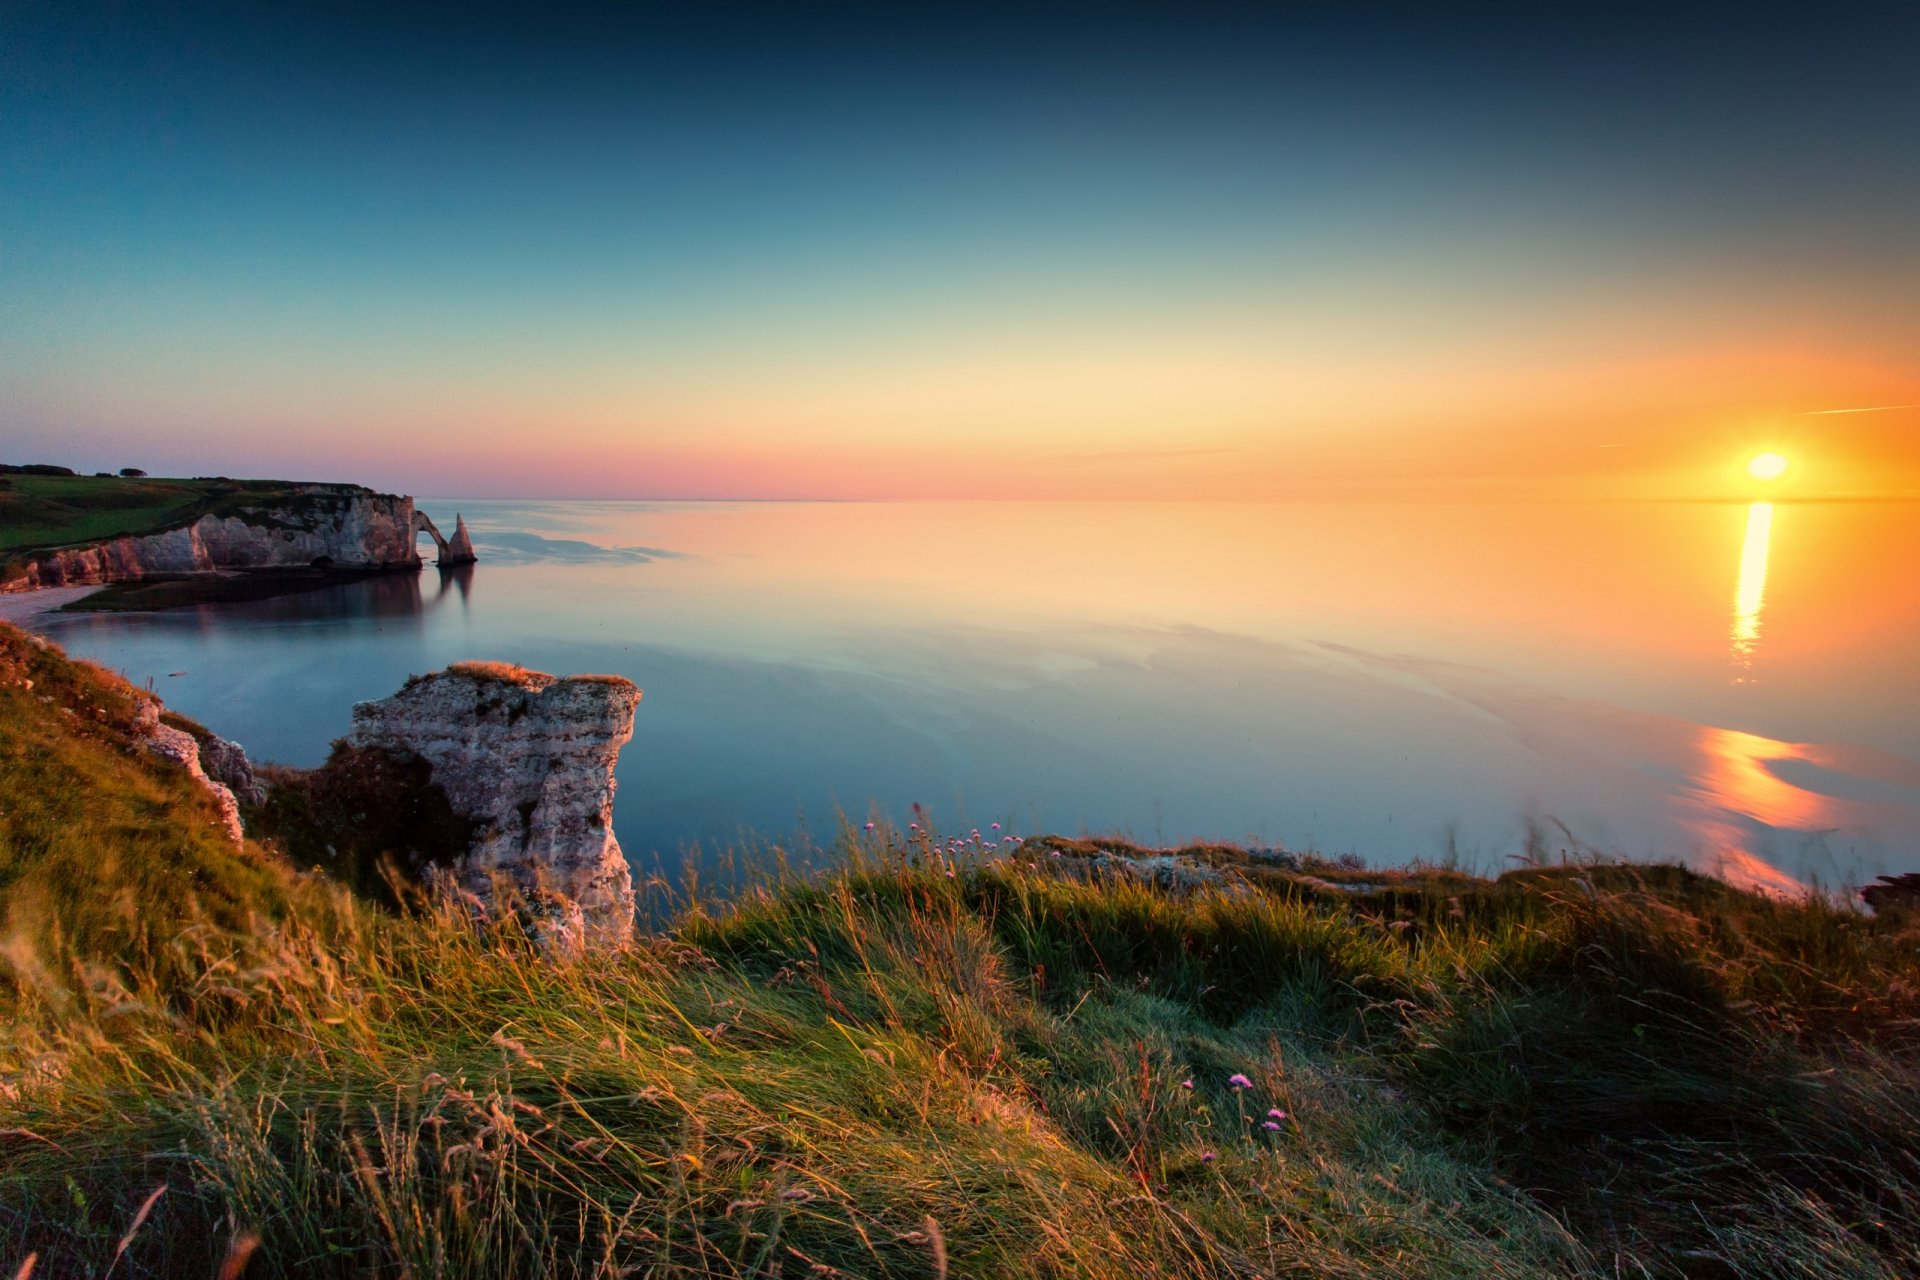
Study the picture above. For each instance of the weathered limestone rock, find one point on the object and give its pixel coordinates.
(530, 758)
(226, 763)
(459, 548)
(340, 525)
(423, 523)
(183, 749)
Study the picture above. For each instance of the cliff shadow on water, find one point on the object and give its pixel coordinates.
(301, 594)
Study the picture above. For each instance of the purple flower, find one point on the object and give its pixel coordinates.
(996, 826)
(1207, 1157)
(1239, 1081)
(1273, 1125)
(869, 826)
(913, 826)
(1186, 1084)
(1275, 1113)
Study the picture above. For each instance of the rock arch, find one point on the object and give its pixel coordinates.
(455, 550)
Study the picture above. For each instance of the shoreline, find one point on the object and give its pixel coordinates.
(24, 608)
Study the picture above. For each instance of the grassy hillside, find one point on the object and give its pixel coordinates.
(38, 512)
(1030, 1067)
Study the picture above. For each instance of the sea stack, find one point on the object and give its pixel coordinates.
(459, 548)
(529, 758)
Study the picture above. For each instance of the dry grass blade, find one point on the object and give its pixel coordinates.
(937, 1246)
(133, 1228)
(26, 1266)
(239, 1254)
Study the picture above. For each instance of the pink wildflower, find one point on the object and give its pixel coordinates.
(1239, 1081)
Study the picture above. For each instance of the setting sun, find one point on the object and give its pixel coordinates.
(1767, 466)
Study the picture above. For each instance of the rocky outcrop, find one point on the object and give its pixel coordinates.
(183, 749)
(459, 548)
(1893, 892)
(226, 763)
(341, 526)
(453, 551)
(529, 758)
(423, 523)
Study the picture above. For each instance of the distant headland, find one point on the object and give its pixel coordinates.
(167, 541)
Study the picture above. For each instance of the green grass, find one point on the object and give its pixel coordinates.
(42, 512)
(890, 1071)
(39, 511)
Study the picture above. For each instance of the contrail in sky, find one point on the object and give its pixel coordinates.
(1878, 408)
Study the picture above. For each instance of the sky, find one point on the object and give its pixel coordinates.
(896, 251)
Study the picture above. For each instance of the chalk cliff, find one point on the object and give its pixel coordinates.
(344, 526)
(183, 749)
(530, 758)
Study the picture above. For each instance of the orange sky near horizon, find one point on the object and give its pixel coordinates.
(1219, 428)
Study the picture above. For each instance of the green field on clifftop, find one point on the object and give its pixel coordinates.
(1036, 1066)
(40, 512)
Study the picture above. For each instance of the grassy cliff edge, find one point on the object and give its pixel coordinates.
(1039, 1065)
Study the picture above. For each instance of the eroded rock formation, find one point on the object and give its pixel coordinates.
(459, 548)
(226, 763)
(183, 749)
(344, 526)
(452, 551)
(529, 758)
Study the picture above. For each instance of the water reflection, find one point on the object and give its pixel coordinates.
(1750, 596)
(386, 597)
(1740, 776)
(1748, 802)
(459, 577)
(1763, 804)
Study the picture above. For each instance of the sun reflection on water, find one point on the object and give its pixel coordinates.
(1749, 597)
(1739, 785)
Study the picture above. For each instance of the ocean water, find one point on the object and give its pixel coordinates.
(1734, 686)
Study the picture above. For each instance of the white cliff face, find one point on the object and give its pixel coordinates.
(530, 758)
(347, 528)
(183, 749)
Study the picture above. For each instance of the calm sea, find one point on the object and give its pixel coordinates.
(1735, 686)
